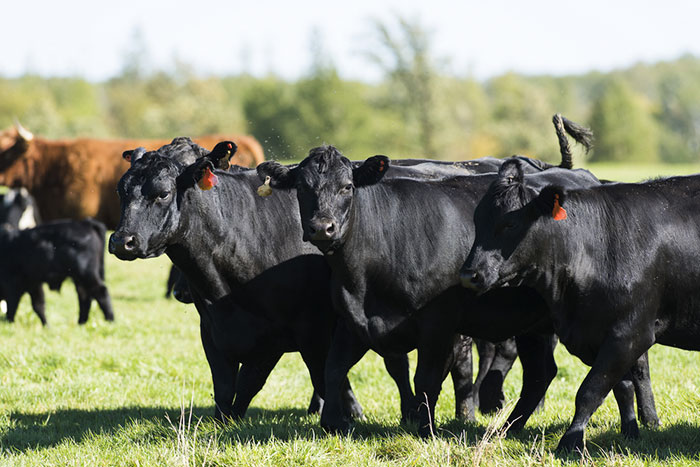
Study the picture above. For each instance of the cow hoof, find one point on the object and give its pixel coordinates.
(630, 430)
(572, 441)
(341, 427)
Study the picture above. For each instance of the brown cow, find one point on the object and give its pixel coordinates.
(77, 178)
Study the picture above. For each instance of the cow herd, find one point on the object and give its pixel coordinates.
(332, 258)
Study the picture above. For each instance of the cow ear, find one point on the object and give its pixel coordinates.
(133, 155)
(277, 175)
(222, 153)
(550, 202)
(371, 171)
(203, 174)
(511, 171)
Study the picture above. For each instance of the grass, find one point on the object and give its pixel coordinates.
(138, 392)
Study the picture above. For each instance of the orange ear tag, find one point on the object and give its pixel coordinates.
(558, 213)
(208, 180)
(381, 166)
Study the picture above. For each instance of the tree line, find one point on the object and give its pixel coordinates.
(645, 113)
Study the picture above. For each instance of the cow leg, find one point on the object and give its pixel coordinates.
(397, 367)
(462, 373)
(435, 359)
(316, 403)
(491, 396)
(487, 352)
(223, 375)
(615, 357)
(12, 304)
(101, 294)
(38, 302)
(84, 302)
(345, 351)
(539, 369)
(313, 357)
(645, 397)
(624, 395)
(251, 379)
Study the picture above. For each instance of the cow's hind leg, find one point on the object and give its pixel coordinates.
(487, 352)
(12, 304)
(251, 379)
(491, 397)
(38, 302)
(641, 379)
(462, 373)
(536, 354)
(435, 359)
(624, 395)
(97, 289)
(615, 357)
(397, 367)
(315, 404)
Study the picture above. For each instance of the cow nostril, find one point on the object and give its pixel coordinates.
(330, 228)
(130, 242)
(474, 279)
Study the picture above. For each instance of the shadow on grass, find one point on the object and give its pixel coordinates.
(30, 431)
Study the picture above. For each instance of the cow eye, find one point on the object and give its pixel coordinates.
(347, 188)
(163, 196)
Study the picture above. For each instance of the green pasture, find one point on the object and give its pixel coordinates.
(138, 392)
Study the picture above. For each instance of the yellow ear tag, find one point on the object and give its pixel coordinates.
(265, 189)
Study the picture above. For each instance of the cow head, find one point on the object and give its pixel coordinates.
(509, 221)
(152, 190)
(14, 144)
(325, 182)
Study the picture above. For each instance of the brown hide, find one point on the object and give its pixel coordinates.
(77, 178)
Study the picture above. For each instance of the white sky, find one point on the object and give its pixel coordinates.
(487, 37)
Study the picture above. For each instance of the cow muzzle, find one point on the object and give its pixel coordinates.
(471, 279)
(123, 246)
(323, 230)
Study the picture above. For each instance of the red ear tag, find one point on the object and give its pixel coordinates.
(558, 213)
(230, 146)
(381, 165)
(208, 180)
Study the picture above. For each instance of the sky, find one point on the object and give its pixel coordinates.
(92, 38)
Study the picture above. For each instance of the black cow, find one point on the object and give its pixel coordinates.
(617, 265)
(395, 247)
(259, 290)
(49, 254)
(18, 209)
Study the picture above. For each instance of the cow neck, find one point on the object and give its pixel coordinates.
(237, 231)
(568, 258)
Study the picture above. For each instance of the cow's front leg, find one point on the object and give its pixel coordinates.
(435, 359)
(624, 395)
(251, 379)
(346, 350)
(615, 357)
(223, 375)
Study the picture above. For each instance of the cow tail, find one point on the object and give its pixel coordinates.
(581, 135)
(101, 231)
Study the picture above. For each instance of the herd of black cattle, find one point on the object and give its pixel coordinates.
(331, 258)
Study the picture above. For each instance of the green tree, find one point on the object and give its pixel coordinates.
(406, 59)
(623, 125)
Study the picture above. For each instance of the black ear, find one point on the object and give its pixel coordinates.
(203, 173)
(511, 171)
(550, 202)
(371, 171)
(133, 155)
(281, 177)
(222, 153)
